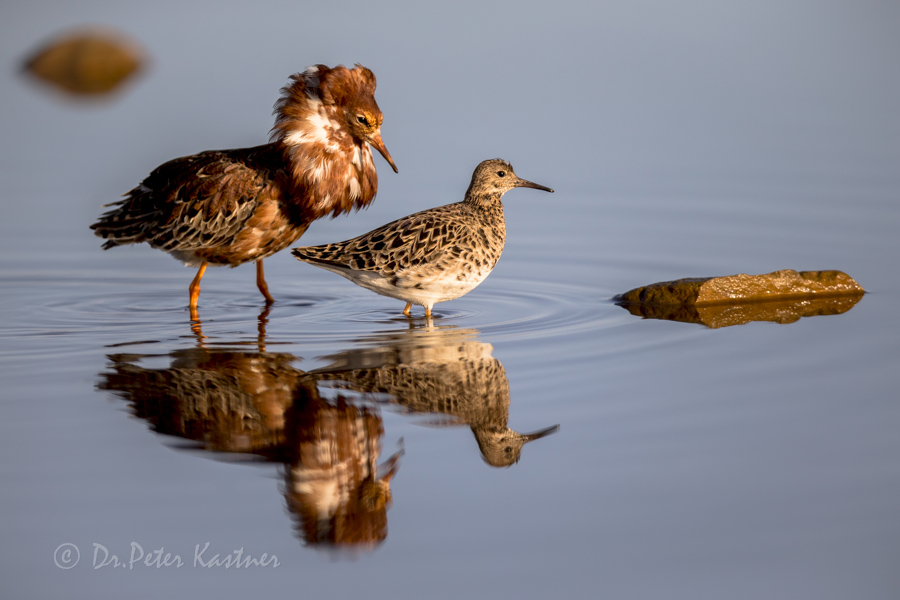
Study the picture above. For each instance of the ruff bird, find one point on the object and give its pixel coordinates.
(228, 207)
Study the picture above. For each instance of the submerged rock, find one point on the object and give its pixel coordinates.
(86, 62)
(781, 297)
(779, 285)
(715, 316)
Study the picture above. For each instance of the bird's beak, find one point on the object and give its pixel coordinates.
(530, 184)
(376, 142)
(536, 435)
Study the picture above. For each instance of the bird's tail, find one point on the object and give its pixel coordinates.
(122, 225)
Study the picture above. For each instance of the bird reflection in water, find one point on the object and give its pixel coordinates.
(255, 403)
(438, 370)
(334, 488)
(325, 426)
(223, 399)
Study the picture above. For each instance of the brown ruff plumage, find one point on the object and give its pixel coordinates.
(434, 255)
(228, 207)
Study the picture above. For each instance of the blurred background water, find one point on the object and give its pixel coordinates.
(689, 139)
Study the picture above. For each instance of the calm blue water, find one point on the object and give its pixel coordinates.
(746, 462)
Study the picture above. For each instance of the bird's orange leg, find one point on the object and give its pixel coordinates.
(407, 309)
(261, 283)
(195, 286)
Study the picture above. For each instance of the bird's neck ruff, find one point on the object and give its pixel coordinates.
(330, 171)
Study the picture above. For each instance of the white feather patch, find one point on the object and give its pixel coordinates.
(354, 184)
(316, 128)
(324, 201)
(319, 173)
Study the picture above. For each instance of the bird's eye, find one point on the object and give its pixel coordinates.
(501, 173)
(362, 119)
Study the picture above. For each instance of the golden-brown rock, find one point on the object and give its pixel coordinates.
(779, 285)
(782, 297)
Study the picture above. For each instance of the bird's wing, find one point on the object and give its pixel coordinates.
(198, 201)
(419, 239)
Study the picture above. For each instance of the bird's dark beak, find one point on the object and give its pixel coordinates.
(536, 435)
(530, 184)
(376, 142)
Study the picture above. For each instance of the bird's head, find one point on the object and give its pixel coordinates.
(323, 108)
(363, 121)
(496, 176)
(502, 447)
(350, 93)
